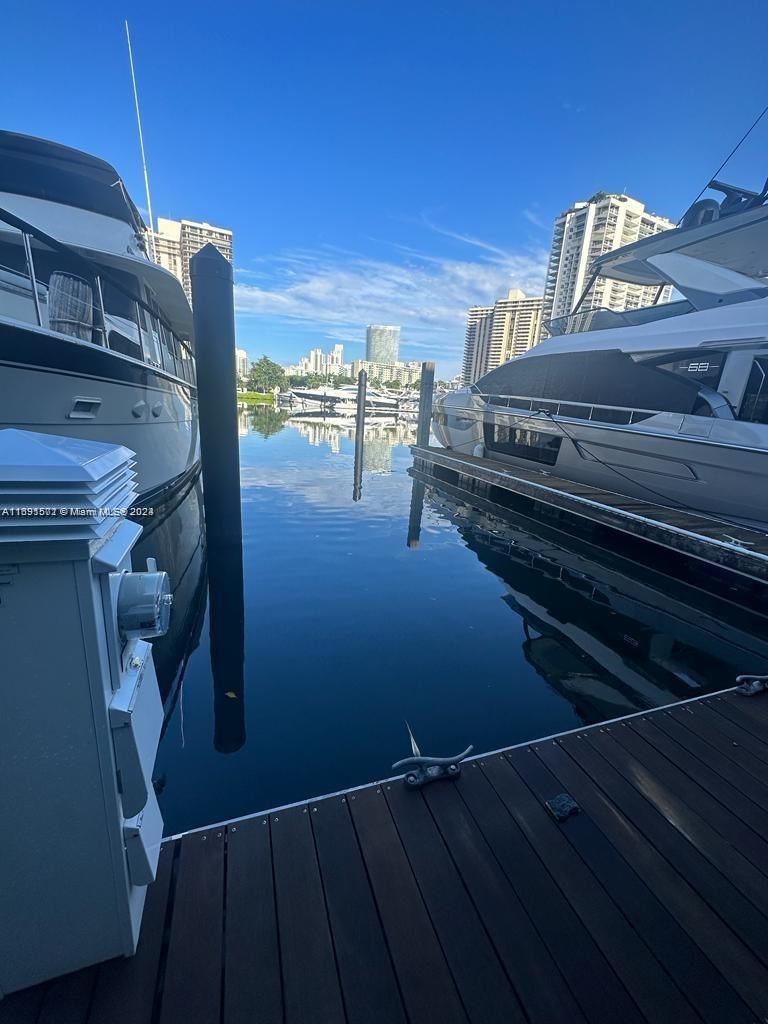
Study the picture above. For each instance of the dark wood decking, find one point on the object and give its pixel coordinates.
(735, 548)
(467, 901)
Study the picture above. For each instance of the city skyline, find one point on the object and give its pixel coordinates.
(394, 222)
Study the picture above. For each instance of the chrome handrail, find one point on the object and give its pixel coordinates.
(558, 402)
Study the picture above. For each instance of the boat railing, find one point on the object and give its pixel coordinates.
(72, 302)
(620, 414)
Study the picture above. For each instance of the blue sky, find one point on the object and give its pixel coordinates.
(392, 162)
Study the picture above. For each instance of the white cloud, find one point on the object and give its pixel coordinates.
(429, 296)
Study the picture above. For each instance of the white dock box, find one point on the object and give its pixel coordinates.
(80, 712)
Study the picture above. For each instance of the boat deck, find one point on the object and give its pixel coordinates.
(468, 901)
(735, 548)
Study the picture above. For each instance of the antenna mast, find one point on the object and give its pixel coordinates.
(141, 146)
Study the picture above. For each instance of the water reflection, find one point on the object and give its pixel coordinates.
(607, 641)
(492, 629)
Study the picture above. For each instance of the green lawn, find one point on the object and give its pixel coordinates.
(255, 398)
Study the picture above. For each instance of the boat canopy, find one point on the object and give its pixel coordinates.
(738, 241)
(47, 170)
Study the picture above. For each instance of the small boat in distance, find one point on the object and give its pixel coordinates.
(667, 403)
(95, 337)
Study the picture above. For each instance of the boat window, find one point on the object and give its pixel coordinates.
(120, 321)
(522, 443)
(754, 406)
(152, 336)
(168, 345)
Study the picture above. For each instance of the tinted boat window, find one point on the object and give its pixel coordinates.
(754, 407)
(595, 378)
(525, 444)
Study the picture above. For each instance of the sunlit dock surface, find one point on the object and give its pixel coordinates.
(468, 901)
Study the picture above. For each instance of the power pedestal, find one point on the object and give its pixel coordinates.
(80, 711)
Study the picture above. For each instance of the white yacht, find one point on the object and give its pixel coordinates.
(345, 398)
(95, 338)
(667, 403)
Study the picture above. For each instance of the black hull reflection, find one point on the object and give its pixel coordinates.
(202, 575)
(609, 635)
(175, 536)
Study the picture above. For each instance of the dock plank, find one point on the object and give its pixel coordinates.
(68, 999)
(311, 990)
(484, 986)
(686, 936)
(592, 981)
(192, 985)
(125, 988)
(426, 983)
(684, 880)
(368, 982)
(23, 1007)
(716, 731)
(709, 754)
(252, 981)
(615, 906)
(536, 976)
(743, 822)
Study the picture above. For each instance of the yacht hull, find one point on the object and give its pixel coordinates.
(698, 463)
(51, 384)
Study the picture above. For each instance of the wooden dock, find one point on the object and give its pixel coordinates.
(736, 549)
(468, 901)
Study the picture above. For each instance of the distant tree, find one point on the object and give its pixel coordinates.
(416, 384)
(395, 384)
(341, 379)
(265, 375)
(314, 380)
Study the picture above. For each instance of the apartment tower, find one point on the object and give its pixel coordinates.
(584, 232)
(382, 344)
(497, 333)
(177, 241)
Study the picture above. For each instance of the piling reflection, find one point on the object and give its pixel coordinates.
(227, 639)
(609, 640)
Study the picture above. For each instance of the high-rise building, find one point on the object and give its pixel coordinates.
(241, 363)
(326, 364)
(382, 344)
(403, 373)
(497, 333)
(584, 232)
(176, 242)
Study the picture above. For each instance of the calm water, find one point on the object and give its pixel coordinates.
(491, 630)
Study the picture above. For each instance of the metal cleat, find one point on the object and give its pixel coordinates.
(429, 769)
(751, 685)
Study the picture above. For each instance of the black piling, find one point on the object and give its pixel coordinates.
(362, 388)
(214, 322)
(425, 404)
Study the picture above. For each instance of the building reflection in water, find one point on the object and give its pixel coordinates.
(382, 434)
(610, 636)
